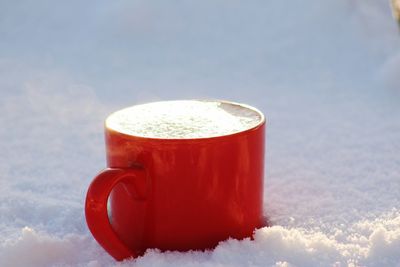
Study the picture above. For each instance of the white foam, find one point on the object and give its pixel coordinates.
(184, 119)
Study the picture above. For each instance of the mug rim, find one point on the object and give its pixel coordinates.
(259, 124)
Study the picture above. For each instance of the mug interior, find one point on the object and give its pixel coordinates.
(185, 119)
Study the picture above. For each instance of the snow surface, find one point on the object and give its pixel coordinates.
(325, 73)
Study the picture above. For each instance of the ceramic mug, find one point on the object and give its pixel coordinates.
(177, 194)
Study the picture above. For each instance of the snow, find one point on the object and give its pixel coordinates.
(183, 119)
(326, 74)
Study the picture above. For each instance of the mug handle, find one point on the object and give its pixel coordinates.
(96, 210)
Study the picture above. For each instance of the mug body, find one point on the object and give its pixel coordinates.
(195, 192)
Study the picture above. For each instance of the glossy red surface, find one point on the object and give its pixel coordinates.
(177, 194)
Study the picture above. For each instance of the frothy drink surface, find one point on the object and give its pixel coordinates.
(184, 119)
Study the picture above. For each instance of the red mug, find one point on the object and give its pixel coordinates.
(177, 193)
